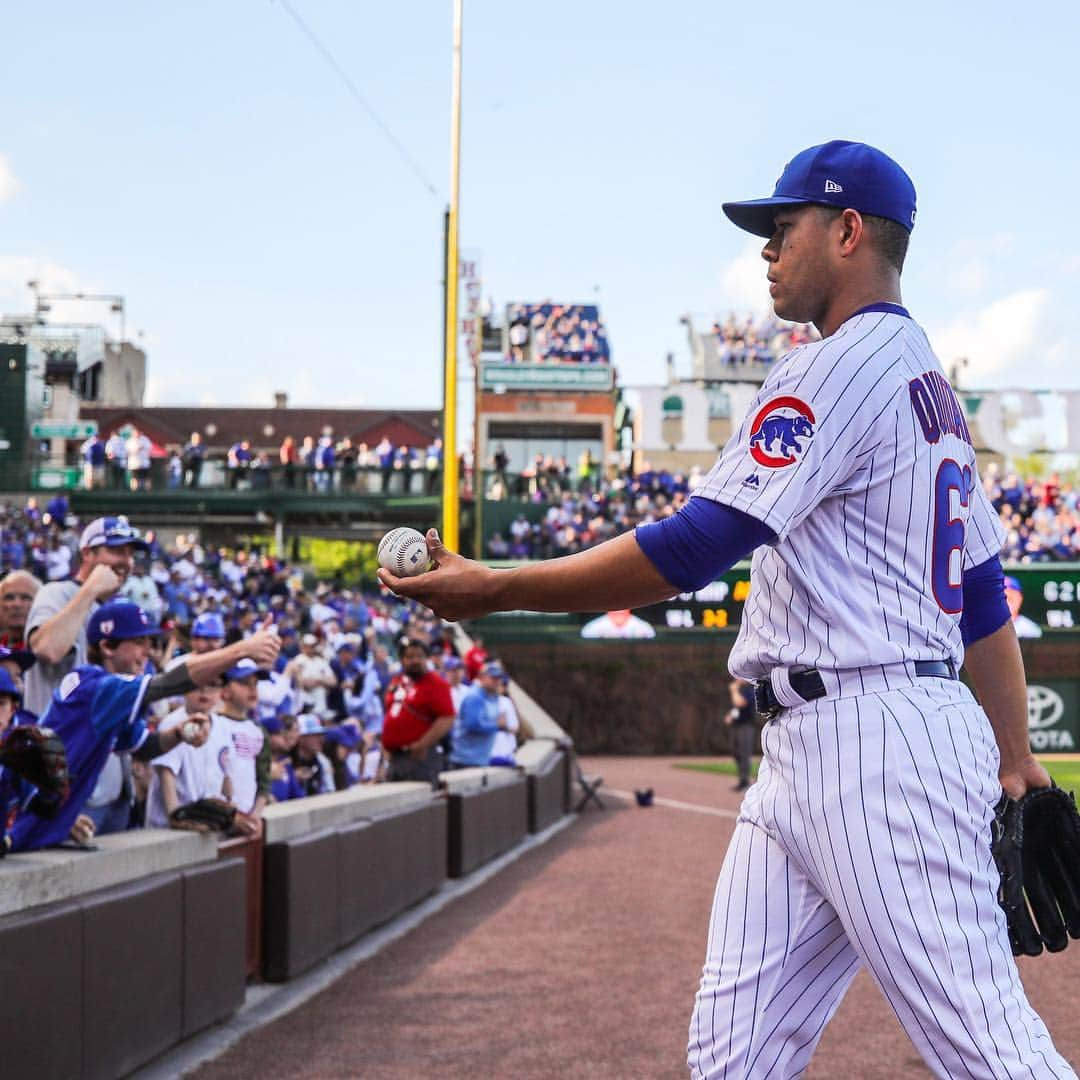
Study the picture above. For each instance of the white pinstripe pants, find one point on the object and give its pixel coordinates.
(865, 841)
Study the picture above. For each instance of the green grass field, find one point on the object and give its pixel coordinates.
(1065, 773)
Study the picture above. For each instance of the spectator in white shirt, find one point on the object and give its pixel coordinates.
(187, 773)
(505, 745)
(57, 561)
(116, 454)
(139, 450)
(311, 676)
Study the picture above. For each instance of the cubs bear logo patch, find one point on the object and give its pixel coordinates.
(781, 432)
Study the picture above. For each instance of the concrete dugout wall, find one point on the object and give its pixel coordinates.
(105, 979)
(337, 865)
(487, 815)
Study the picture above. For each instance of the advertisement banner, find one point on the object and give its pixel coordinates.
(1052, 716)
(502, 377)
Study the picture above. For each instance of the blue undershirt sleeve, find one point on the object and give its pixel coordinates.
(985, 609)
(704, 539)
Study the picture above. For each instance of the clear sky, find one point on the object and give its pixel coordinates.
(202, 160)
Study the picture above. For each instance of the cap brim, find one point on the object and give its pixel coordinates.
(234, 676)
(23, 657)
(757, 215)
(140, 545)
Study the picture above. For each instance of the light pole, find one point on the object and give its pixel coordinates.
(43, 303)
(451, 498)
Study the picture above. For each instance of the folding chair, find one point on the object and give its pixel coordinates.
(589, 786)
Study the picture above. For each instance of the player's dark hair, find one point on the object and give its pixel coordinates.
(889, 239)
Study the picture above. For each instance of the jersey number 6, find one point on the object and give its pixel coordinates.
(952, 486)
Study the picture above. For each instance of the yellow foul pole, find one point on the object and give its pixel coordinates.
(450, 495)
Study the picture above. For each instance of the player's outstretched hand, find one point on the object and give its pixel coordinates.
(264, 645)
(455, 588)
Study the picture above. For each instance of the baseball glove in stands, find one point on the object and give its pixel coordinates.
(204, 815)
(1036, 845)
(37, 755)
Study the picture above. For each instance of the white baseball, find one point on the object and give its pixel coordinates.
(404, 552)
(190, 731)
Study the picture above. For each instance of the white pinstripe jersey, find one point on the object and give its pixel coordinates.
(857, 455)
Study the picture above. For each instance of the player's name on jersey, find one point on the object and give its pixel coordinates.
(936, 408)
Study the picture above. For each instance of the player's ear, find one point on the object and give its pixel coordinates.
(851, 223)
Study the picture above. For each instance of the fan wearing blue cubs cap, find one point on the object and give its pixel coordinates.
(99, 706)
(207, 632)
(875, 575)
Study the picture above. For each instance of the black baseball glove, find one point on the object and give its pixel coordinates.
(37, 755)
(204, 815)
(1036, 846)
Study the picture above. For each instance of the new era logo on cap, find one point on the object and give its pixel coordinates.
(832, 187)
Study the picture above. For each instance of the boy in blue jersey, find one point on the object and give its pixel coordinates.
(98, 707)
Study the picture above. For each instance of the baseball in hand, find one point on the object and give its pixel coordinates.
(190, 731)
(404, 552)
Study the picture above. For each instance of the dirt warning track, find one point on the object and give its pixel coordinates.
(581, 960)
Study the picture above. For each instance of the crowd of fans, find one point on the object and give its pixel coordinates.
(758, 341)
(179, 672)
(185, 672)
(1041, 517)
(125, 461)
(557, 333)
(580, 518)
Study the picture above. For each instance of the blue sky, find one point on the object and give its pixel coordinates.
(202, 160)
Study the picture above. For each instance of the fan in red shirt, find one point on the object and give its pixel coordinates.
(419, 714)
(475, 659)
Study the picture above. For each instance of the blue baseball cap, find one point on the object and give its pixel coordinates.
(119, 620)
(23, 657)
(847, 175)
(111, 532)
(309, 724)
(8, 687)
(494, 669)
(244, 669)
(1012, 583)
(346, 735)
(209, 625)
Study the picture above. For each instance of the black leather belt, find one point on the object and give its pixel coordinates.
(810, 686)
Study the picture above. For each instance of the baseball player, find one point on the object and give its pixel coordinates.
(865, 841)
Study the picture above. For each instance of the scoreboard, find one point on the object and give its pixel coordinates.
(718, 606)
(1049, 606)
(1050, 599)
(1051, 594)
